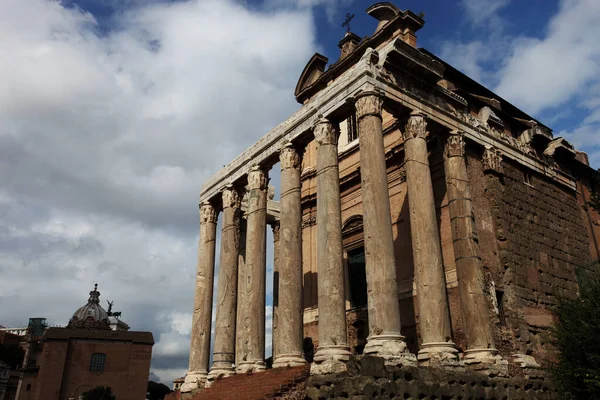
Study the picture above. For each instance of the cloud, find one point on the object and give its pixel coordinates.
(332, 7)
(109, 129)
(548, 72)
(480, 11)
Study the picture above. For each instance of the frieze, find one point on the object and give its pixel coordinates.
(471, 120)
(257, 179)
(492, 160)
(207, 213)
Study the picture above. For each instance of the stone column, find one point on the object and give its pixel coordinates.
(251, 321)
(241, 268)
(333, 351)
(384, 338)
(287, 316)
(474, 306)
(202, 316)
(434, 316)
(275, 226)
(224, 347)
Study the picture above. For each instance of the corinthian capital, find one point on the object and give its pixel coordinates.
(276, 230)
(455, 144)
(325, 133)
(231, 197)
(257, 178)
(289, 157)
(492, 160)
(416, 126)
(207, 213)
(368, 103)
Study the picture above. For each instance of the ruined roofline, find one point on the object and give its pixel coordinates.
(512, 110)
(365, 75)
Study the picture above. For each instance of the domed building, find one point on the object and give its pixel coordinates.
(95, 349)
(90, 315)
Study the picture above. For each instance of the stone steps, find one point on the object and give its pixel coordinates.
(271, 384)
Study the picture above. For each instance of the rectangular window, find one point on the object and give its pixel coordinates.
(357, 277)
(97, 362)
(527, 178)
(352, 128)
(500, 302)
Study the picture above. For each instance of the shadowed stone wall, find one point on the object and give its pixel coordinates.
(369, 378)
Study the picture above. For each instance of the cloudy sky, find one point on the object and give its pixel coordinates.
(113, 113)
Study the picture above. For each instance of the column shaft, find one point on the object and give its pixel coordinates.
(202, 315)
(287, 317)
(224, 348)
(251, 322)
(333, 350)
(276, 262)
(474, 306)
(384, 338)
(434, 317)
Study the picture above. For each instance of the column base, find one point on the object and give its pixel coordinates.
(443, 354)
(391, 347)
(330, 359)
(250, 367)
(487, 361)
(194, 380)
(218, 372)
(289, 360)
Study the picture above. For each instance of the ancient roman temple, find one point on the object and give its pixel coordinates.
(422, 219)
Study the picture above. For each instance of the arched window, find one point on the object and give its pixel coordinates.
(97, 362)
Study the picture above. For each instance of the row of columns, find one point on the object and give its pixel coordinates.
(240, 322)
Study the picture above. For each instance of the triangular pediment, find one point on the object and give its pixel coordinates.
(311, 73)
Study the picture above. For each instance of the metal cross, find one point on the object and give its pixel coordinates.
(346, 24)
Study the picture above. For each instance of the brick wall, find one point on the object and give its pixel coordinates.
(533, 238)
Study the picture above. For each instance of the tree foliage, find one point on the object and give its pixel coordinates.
(577, 339)
(595, 199)
(12, 355)
(157, 391)
(99, 393)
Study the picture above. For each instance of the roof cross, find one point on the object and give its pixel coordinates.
(346, 24)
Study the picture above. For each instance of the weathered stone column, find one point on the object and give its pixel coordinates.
(384, 338)
(275, 226)
(333, 351)
(474, 306)
(251, 321)
(434, 317)
(224, 347)
(202, 316)
(287, 317)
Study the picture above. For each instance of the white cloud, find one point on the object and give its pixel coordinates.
(466, 57)
(546, 73)
(106, 139)
(480, 11)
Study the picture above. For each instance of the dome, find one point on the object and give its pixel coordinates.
(91, 315)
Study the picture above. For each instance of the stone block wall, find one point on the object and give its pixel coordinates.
(533, 238)
(369, 378)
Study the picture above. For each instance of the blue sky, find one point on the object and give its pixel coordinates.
(115, 111)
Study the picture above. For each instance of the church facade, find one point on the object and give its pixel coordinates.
(95, 349)
(422, 219)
